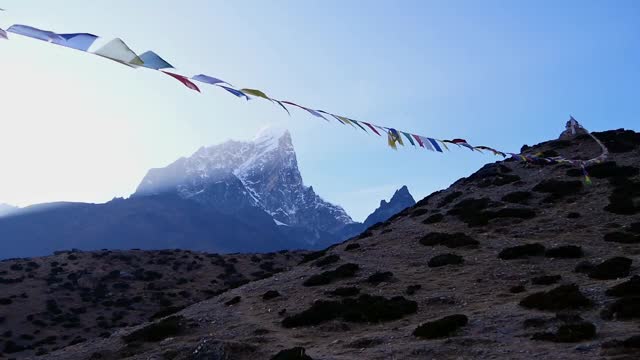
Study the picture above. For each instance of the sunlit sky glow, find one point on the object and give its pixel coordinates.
(77, 127)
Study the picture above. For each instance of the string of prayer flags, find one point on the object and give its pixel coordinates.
(184, 80)
(117, 50)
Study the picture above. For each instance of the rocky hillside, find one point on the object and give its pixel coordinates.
(52, 302)
(517, 261)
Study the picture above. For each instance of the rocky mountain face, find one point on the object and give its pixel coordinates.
(262, 173)
(516, 261)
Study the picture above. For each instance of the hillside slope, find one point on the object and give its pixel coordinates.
(50, 302)
(516, 261)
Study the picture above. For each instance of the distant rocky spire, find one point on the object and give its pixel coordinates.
(400, 200)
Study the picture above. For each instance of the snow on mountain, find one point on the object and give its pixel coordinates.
(261, 173)
(6, 209)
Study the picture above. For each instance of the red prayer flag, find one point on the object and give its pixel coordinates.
(418, 140)
(184, 80)
(371, 127)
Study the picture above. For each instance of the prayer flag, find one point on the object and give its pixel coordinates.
(154, 61)
(235, 92)
(435, 144)
(418, 140)
(79, 41)
(255, 92)
(360, 126)
(184, 80)
(34, 33)
(118, 51)
(409, 138)
(372, 128)
(208, 79)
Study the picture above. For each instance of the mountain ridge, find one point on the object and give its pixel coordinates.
(237, 196)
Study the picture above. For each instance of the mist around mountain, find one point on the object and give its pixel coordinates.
(238, 196)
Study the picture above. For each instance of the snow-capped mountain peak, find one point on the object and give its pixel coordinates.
(261, 173)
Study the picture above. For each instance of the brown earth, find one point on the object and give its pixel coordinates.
(517, 261)
(51, 302)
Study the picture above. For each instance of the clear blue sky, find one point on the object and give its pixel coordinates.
(500, 73)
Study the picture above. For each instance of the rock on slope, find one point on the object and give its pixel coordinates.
(517, 261)
(51, 302)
